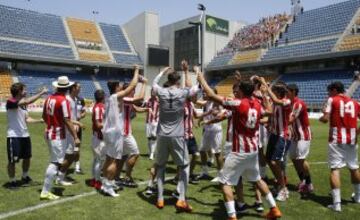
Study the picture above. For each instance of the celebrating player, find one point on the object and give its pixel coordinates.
(57, 116)
(342, 112)
(18, 138)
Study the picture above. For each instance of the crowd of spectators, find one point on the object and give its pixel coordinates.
(258, 35)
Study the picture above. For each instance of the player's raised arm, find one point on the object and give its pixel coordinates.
(32, 99)
(155, 85)
(140, 97)
(185, 69)
(209, 92)
(271, 93)
(132, 84)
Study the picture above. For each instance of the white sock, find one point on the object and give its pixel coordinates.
(270, 199)
(160, 181)
(263, 171)
(25, 174)
(77, 165)
(336, 194)
(50, 174)
(357, 189)
(61, 176)
(230, 208)
(183, 182)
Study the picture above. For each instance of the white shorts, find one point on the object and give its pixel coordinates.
(211, 140)
(237, 165)
(115, 150)
(299, 150)
(98, 147)
(341, 155)
(227, 149)
(57, 150)
(151, 130)
(70, 146)
(130, 146)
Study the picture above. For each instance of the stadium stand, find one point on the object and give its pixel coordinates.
(5, 84)
(34, 49)
(350, 42)
(35, 79)
(320, 22)
(224, 87)
(129, 59)
(247, 57)
(91, 56)
(115, 37)
(30, 25)
(221, 60)
(83, 30)
(300, 50)
(313, 85)
(103, 78)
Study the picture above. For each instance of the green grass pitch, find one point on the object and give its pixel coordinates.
(205, 197)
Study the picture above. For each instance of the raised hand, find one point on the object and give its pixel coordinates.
(184, 66)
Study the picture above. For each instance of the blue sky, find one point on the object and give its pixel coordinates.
(120, 11)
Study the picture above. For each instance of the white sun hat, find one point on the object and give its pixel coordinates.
(62, 82)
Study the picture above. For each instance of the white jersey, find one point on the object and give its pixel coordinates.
(215, 126)
(16, 117)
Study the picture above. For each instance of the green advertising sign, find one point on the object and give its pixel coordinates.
(217, 25)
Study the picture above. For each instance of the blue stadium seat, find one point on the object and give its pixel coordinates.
(320, 22)
(30, 25)
(32, 49)
(35, 79)
(221, 60)
(127, 59)
(115, 37)
(103, 78)
(313, 85)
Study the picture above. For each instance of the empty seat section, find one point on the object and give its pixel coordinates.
(128, 59)
(83, 30)
(5, 84)
(246, 57)
(115, 37)
(351, 42)
(94, 56)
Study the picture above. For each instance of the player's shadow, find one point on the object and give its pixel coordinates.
(59, 191)
(322, 200)
(153, 198)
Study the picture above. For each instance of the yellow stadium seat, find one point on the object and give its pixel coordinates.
(83, 30)
(246, 57)
(5, 84)
(94, 56)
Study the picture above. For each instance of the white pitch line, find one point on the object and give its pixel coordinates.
(60, 201)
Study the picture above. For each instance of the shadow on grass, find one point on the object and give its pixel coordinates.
(322, 200)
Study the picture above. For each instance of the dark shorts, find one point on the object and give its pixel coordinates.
(18, 148)
(79, 134)
(192, 146)
(277, 148)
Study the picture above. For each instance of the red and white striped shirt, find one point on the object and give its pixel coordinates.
(56, 109)
(301, 126)
(279, 121)
(153, 117)
(246, 115)
(189, 119)
(98, 116)
(343, 112)
(126, 114)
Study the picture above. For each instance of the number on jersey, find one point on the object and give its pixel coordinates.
(347, 108)
(252, 118)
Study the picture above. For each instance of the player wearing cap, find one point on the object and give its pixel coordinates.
(18, 138)
(342, 113)
(57, 116)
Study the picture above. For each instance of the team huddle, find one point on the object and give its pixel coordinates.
(266, 124)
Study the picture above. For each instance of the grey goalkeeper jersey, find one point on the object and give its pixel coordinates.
(171, 113)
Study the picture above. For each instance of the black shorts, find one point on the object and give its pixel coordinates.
(192, 146)
(18, 148)
(79, 133)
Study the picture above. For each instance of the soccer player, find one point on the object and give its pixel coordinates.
(212, 137)
(113, 131)
(131, 150)
(243, 160)
(71, 149)
(98, 144)
(18, 138)
(342, 113)
(81, 113)
(279, 138)
(300, 139)
(57, 116)
(171, 133)
(152, 120)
